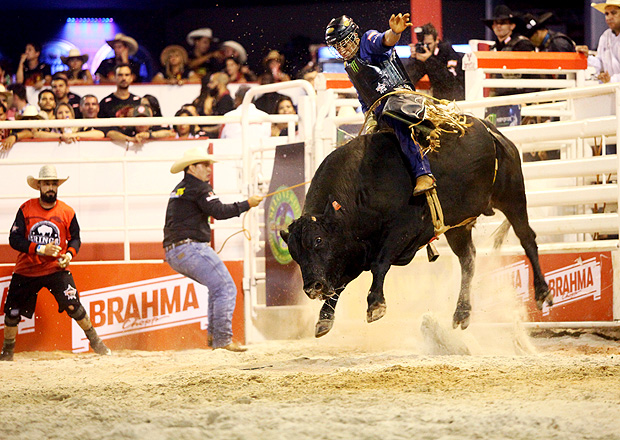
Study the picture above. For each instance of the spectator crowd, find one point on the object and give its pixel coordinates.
(202, 59)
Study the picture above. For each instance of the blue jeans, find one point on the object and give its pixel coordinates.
(199, 262)
(418, 163)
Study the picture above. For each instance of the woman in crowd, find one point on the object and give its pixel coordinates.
(76, 74)
(153, 102)
(174, 60)
(188, 131)
(238, 72)
(68, 134)
(284, 106)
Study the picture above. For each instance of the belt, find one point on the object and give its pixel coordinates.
(179, 243)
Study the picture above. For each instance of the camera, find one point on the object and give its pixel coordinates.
(420, 46)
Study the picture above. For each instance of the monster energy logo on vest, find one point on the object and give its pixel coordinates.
(372, 82)
(354, 66)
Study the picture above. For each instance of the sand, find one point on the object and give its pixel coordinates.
(316, 389)
(406, 376)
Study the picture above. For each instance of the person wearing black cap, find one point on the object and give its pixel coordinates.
(505, 25)
(544, 39)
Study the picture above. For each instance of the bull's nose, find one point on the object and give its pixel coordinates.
(314, 290)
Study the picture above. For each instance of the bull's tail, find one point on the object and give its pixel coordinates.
(499, 235)
(504, 148)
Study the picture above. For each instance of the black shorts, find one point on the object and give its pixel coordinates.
(23, 292)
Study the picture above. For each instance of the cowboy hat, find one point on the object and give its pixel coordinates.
(7, 94)
(74, 53)
(199, 33)
(29, 113)
(130, 42)
(601, 6)
(502, 12)
(47, 172)
(242, 55)
(191, 156)
(273, 55)
(533, 23)
(168, 50)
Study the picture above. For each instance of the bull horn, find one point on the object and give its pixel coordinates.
(284, 234)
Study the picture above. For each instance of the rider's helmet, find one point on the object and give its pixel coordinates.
(342, 35)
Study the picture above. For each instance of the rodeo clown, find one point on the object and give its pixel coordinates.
(386, 92)
(47, 235)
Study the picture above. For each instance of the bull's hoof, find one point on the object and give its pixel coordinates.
(461, 319)
(548, 298)
(376, 311)
(323, 326)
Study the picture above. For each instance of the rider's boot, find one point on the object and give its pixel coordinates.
(424, 184)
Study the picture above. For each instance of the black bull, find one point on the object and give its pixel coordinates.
(360, 215)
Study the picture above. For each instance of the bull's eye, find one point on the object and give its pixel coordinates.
(317, 242)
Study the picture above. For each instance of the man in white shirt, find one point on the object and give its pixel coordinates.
(232, 130)
(607, 59)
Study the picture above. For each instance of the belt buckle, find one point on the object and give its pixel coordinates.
(178, 243)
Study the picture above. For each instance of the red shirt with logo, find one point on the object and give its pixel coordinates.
(35, 225)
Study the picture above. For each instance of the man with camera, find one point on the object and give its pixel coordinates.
(437, 59)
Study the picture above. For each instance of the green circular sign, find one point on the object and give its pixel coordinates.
(283, 209)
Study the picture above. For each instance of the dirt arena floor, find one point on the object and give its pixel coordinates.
(568, 389)
(407, 376)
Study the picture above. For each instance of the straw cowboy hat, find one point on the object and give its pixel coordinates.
(130, 42)
(169, 50)
(242, 55)
(191, 156)
(7, 94)
(74, 53)
(601, 6)
(273, 55)
(47, 172)
(502, 12)
(199, 33)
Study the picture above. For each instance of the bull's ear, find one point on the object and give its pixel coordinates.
(284, 234)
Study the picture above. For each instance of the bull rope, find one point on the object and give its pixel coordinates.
(437, 215)
(443, 114)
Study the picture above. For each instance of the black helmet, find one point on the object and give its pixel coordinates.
(339, 29)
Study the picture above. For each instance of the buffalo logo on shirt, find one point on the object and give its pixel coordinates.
(44, 232)
(70, 292)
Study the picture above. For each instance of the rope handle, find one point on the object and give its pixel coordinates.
(243, 229)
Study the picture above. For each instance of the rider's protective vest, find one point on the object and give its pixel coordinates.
(373, 81)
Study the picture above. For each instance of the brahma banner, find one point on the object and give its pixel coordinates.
(581, 284)
(137, 306)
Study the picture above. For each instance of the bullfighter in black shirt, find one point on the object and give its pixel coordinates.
(187, 235)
